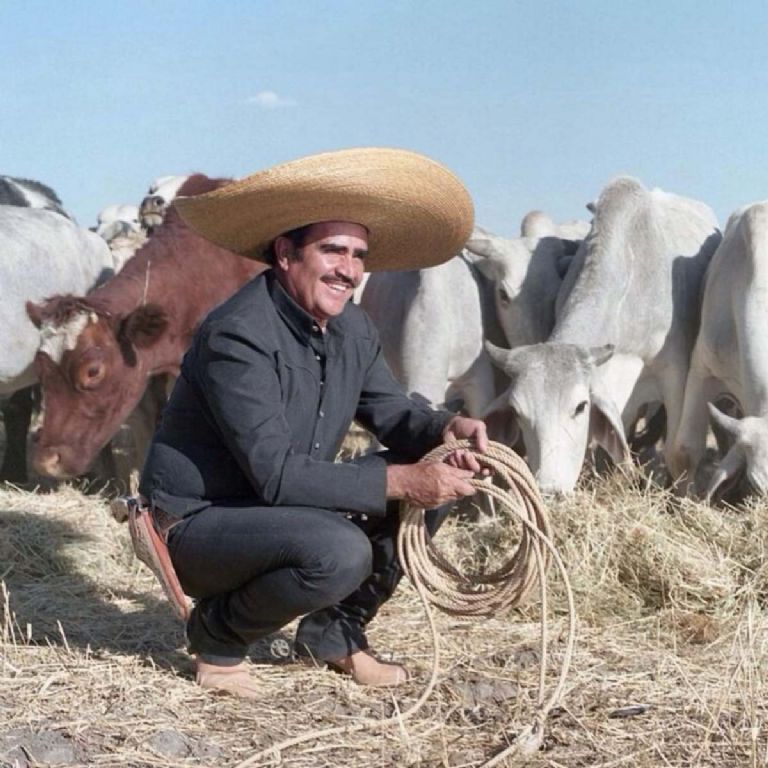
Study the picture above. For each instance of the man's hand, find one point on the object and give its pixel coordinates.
(428, 485)
(462, 427)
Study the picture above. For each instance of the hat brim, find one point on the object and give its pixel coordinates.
(418, 214)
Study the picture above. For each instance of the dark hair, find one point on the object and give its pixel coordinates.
(296, 236)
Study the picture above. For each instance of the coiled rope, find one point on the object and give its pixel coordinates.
(440, 583)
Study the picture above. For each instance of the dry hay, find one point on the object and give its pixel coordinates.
(669, 668)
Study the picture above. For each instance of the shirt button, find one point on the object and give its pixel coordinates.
(317, 445)
(317, 357)
(315, 328)
(321, 414)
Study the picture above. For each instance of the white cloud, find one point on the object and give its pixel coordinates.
(270, 100)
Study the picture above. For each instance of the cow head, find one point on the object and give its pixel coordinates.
(117, 220)
(160, 195)
(555, 404)
(92, 372)
(746, 458)
(526, 273)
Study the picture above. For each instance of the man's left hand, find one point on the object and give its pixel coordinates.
(462, 427)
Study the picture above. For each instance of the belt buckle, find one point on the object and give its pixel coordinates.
(122, 506)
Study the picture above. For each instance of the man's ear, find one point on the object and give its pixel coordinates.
(282, 248)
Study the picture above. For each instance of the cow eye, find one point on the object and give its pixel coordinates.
(580, 408)
(91, 375)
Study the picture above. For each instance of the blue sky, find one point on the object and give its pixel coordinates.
(533, 104)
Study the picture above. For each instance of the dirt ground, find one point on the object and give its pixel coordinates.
(669, 668)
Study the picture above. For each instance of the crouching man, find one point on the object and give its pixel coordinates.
(262, 524)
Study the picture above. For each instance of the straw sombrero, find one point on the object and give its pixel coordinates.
(417, 212)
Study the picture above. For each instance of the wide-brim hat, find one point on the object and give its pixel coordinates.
(418, 214)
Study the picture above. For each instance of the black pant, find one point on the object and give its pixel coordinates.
(254, 569)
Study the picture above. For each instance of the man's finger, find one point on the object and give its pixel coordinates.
(481, 437)
(462, 474)
(463, 459)
(465, 489)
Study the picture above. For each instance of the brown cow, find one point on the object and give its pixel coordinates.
(98, 351)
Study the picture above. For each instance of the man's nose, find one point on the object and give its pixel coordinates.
(349, 267)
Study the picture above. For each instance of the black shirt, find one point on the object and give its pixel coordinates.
(264, 401)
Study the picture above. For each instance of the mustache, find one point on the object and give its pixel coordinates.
(343, 278)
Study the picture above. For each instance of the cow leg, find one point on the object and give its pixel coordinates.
(672, 385)
(687, 444)
(17, 414)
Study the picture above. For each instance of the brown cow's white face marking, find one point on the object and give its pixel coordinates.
(55, 340)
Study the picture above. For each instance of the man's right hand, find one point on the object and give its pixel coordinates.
(428, 485)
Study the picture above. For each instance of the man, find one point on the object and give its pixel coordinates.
(263, 525)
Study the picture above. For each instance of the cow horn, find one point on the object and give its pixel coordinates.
(501, 357)
(599, 355)
(721, 420)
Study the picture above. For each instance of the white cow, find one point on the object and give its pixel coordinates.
(118, 219)
(27, 193)
(119, 225)
(623, 335)
(159, 196)
(432, 323)
(731, 359)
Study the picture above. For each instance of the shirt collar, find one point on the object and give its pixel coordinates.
(298, 320)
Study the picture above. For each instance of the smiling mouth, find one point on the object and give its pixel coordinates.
(339, 286)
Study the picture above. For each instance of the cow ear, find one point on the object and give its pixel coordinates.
(483, 252)
(727, 473)
(480, 242)
(501, 421)
(35, 313)
(144, 326)
(606, 428)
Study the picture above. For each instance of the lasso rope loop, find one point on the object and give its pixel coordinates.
(440, 583)
(486, 594)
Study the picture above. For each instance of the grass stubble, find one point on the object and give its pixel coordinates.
(669, 669)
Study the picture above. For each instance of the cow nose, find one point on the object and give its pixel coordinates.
(552, 490)
(550, 495)
(48, 462)
(152, 204)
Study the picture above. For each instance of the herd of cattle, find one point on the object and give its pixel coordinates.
(564, 338)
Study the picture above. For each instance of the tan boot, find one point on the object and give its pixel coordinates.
(236, 680)
(366, 669)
